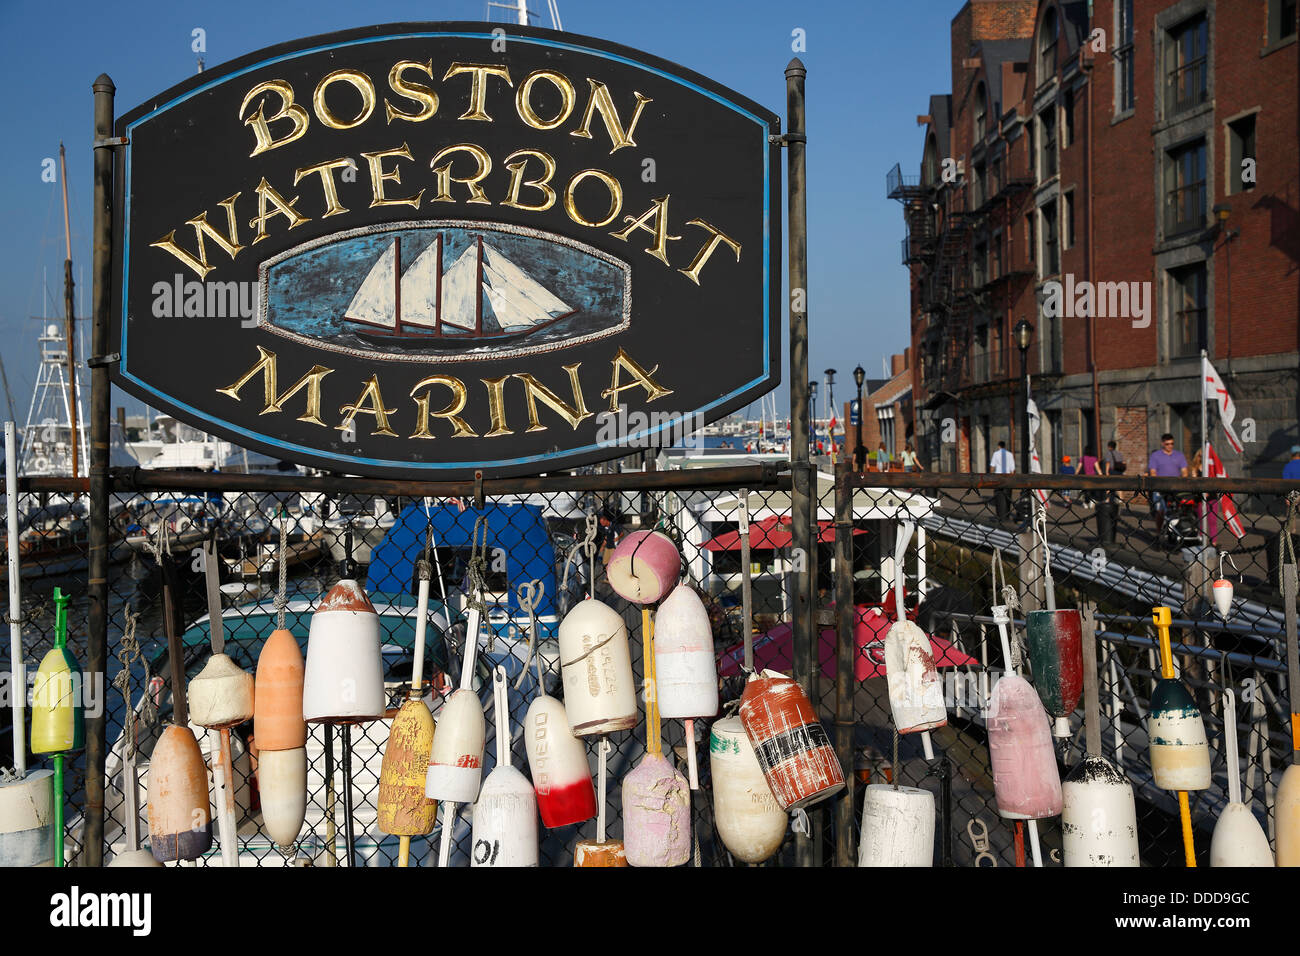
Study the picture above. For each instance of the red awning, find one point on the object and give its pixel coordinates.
(772, 532)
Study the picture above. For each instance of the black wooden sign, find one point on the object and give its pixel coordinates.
(419, 250)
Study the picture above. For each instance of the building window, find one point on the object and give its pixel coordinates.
(930, 162)
(1047, 140)
(1281, 20)
(1047, 37)
(1123, 55)
(981, 112)
(979, 265)
(995, 351)
(995, 177)
(1241, 155)
(1068, 212)
(995, 268)
(1185, 188)
(1031, 252)
(1187, 75)
(1053, 346)
(1067, 119)
(1051, 248)
(978, 186)
(1188, 318)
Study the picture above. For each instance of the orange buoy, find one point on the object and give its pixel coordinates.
(281, 736)
(592, 853)
(792, 747)
(180, 821)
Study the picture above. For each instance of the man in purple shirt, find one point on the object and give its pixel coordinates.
(1165, 462)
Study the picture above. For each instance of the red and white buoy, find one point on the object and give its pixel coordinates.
(505, 815)
(557, 761)
(644, 567)
(343, 680)
(1222, 588)
(1054, 639)
(915, 688)
(686, 669)
(1238, 838)
(596, 667)
(749, 820)
(797, 758)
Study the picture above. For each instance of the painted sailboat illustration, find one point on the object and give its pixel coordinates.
(482, 294)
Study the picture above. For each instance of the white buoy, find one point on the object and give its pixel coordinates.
(222, 694)
(134, 858)
(915, 688)
(686, 667)
(27, 820)
(750, 821)
(1223, 597)
(1238, 838)
(1286, 810)
(280, 775)
(897, 826)
(505, 816)
(1098, 816)
(596, 665)
(343, 679)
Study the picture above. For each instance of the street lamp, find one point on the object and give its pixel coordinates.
(1023, 333)
(859, 452)
(812, 418)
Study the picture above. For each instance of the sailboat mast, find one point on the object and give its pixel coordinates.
(478, 297)
(397, 285)
(437, 291)
(70, 333)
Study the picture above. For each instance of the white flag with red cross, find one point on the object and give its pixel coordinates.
(1217, 392)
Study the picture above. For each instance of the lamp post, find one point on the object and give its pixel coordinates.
(830, 408)
(859, 452)
(812, 418)
(1023, 333)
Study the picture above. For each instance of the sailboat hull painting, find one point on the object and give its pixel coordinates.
(456, 289)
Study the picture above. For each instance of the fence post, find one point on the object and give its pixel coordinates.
(97, 639)
(844, 656)
(1030, 570)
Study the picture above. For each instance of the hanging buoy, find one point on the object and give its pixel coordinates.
(644, 567)
(686, 668)
(656, 798)
(750, 821)
(608, 853)
(1026, 783)
(282, 783)
(1055, 640)
(455, 766)
(27, 820)
(180, 823)
(557, 761)
(915, 688)
(1238, 838)
(897, 826)
(505, 817)
(57, 725)
(797, 758)
(1223, 596)
(343, 680)
(1286, 816)
(277, 694)
(134, 858)
(222, 694)
(1098, 816)
(1180, 754)
(596, 666)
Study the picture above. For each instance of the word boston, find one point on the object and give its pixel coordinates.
(461, 248)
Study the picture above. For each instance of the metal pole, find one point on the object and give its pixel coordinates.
(1091, 690)
(797, 214)
(844, 654)
(97, 585)
(17, 677)
(1024, 421)
(70, 319)
(1205, 460)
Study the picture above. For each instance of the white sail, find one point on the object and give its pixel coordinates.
(507, 312)
(460, 290)
(515, 284)
(420, 287)
(374, 303)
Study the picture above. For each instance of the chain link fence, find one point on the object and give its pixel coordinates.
(1110, 543)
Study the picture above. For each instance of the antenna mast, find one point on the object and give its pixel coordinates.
(70, 320)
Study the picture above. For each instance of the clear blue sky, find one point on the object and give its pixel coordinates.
(871, 68)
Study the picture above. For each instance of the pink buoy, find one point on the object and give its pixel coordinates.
(644, 567)
(1025, 779)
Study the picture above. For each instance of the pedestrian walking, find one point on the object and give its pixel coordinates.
(1291, 470)
(1002, 463)
(1164, 462)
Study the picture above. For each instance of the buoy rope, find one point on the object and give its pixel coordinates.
(586, 547)
(530, 598)
(1040, 532)
(746, 585)
(893, 769)
(129, 652)
(477, 579)
(282, 592)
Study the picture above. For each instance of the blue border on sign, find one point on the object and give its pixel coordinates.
(436, 466)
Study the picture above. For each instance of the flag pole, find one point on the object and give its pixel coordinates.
(1205, 453)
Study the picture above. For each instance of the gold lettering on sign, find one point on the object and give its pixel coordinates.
(444, 178)
(423, 95)
(658, 212)
(288, 110)
(275, 402)
(497, 406)
(716, 238)
(378, 177)
(600, 101)
(451, 413)
(267, 196)
(615, 197)
(640, 377)
(534, 390)
(517, 181)
(478, 86)
(326, 172)
(369, 402)
(523, 102)
(359, 82)
(228, 243)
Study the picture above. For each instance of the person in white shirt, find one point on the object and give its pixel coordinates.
(1002, 462)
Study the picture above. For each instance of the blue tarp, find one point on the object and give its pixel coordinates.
(518, 530)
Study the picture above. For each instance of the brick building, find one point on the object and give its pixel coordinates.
(1121, 175)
